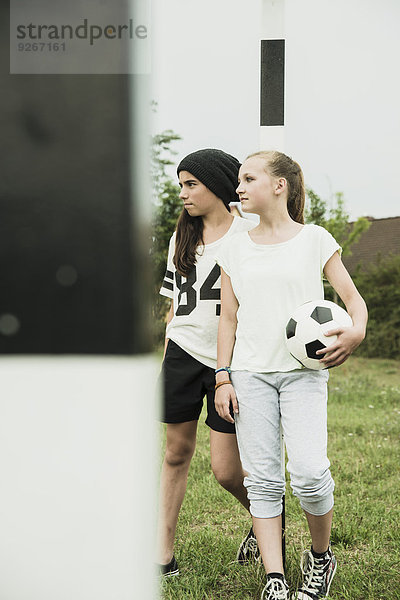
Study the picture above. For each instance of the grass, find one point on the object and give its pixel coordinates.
(364, 449)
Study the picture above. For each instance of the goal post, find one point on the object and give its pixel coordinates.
(78, 432)
(272, 117)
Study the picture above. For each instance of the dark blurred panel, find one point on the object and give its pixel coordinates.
(71, 269)
(272, 89)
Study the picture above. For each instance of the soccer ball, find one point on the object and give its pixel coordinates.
(306, 327)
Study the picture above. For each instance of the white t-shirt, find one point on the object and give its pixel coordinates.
(196, 298)
(269, 282)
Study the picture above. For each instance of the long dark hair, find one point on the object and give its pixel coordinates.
(189, 235)
(278, 164)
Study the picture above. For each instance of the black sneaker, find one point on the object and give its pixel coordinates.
(317, 575)
(248, 549)
(170, 569)
(276, 589)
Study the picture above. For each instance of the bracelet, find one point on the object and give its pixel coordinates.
(227, 369)
(217, 385)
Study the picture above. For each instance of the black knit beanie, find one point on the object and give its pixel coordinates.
(216, 169)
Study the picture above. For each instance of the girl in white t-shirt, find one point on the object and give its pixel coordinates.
(273, 269)
(208, 179)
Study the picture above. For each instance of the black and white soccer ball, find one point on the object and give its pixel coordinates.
(306, 327)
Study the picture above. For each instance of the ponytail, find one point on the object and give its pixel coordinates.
(297, 196)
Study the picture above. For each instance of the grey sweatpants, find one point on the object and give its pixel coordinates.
(299, 398)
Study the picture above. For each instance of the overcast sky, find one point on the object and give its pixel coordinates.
(342, 117)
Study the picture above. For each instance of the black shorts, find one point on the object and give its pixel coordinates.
(185, 383)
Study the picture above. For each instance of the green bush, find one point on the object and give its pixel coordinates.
(165, 215)
(379, 285)
(166, 209)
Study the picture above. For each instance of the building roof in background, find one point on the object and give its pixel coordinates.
(383, 237)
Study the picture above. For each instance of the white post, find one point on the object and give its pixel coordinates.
(272, 135)
(77, 468)
(78, 429)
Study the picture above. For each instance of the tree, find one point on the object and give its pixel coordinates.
(165, 216)
(315, 208)
(166, 209)
(161, 158)
(336, 221)
(379, 285)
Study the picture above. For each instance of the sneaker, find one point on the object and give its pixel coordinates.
(317, 575)
(276, 589)
(248, 549)
(170, 569)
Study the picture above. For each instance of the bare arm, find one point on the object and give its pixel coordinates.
(351, 337)
(225, 395)
(169, 318)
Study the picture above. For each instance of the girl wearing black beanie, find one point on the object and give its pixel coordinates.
(208, 180)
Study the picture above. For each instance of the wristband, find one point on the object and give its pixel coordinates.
(217, 385)
(227, 369)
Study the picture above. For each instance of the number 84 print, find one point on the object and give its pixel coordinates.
(206, 292)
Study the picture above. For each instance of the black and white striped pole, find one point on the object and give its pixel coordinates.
(78, 444)
(272, 79)
(272, 114)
